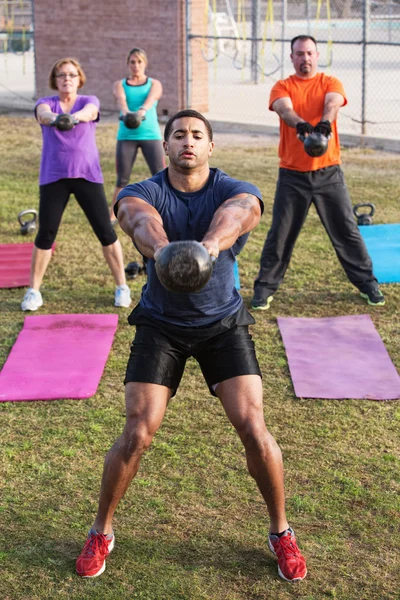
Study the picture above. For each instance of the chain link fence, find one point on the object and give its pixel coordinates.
(248, 50)
(17, 71)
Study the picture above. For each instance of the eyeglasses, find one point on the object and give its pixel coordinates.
(65, 75)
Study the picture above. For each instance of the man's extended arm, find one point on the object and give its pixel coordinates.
(284, 108)
(333, 101)
(143, 224)
(235, 217)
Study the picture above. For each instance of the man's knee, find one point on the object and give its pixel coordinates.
(250, 432)
(136, 438)
(256, 438)
(261, 449)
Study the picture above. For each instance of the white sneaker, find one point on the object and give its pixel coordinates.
(32, 300)
(122, 296)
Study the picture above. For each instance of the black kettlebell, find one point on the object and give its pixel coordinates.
(64, 122)
(132, 270)
(132, 120)
(364, 218)
(184, 267)
(316, 144)
(28, 226)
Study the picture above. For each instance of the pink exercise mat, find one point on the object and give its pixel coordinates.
(338, 357)
(58, 356)
(15, 264)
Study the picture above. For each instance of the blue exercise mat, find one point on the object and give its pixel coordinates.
(236, 275)
(383, 244)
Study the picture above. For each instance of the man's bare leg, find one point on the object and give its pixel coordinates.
(242, 399)
(145, 408)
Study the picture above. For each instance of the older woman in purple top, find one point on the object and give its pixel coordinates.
(70, 165)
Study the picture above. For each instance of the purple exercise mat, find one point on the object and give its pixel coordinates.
(57, 356)
(338, 357)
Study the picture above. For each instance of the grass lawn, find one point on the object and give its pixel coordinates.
(193, 525)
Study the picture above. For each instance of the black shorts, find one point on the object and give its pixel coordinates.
(159, 351)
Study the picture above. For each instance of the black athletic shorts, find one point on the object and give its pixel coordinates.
(159, 351)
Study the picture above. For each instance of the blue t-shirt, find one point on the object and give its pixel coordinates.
(187, 216)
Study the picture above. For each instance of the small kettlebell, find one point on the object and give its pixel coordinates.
(28, 226)
(364, 218)
(133, 269)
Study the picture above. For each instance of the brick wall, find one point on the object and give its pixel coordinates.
(199, 66)
(100, 35)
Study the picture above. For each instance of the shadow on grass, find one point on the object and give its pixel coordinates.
(321, 303)
(230, 559)
(219, 553)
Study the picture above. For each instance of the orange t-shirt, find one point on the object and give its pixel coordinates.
(308, 98)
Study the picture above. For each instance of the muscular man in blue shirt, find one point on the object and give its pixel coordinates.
(191, 201)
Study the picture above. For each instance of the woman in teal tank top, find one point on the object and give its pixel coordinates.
(137, 93)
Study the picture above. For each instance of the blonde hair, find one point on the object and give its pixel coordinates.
(138, 52)
(60, 63)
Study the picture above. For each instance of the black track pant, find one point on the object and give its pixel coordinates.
(90, 197)
(295, 191)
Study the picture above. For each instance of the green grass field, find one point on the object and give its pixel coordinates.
(193, 525)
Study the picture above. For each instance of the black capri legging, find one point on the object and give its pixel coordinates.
(126, 155)
(90, 197)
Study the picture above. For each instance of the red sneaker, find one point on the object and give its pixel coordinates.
(291, 563)
(92, 560)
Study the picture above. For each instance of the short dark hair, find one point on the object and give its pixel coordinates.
(303, 38)
(188, 112)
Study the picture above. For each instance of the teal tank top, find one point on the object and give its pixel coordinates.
(149, 129)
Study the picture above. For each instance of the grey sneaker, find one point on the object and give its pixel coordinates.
(259, 303)
(122, 296)
(32, 300)
(373, 296)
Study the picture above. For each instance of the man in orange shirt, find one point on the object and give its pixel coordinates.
(305, 102)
